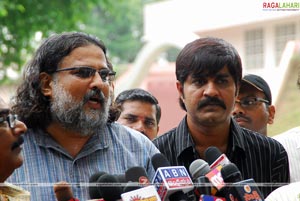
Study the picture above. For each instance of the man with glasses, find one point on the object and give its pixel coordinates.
(253, 106)
(64, 100)
(11, 140)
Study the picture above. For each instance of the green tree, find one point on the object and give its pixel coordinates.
(117, 23)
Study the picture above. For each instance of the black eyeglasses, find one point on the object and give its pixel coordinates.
(87, 72)
(11, 119)
(249, 102)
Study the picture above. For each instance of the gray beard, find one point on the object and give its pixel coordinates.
(72, 115)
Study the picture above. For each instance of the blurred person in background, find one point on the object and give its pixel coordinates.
(11, 140)
(139, 110)
(291, 141)
(253, 106)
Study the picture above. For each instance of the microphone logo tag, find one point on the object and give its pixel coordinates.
(144, 180)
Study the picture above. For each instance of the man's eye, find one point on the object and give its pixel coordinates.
(222, 81)
(130, 119)
(104, 74)
(149, 123)
(249, 102)
(84, 73)
(200, 82)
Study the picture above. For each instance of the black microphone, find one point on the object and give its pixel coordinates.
(231, 173)
(138, 186)
(93, 188)
(217, 161)
(136, 178)
(198, 169)
(170, 179)
(137, 174)
(109, 188)
(238, 189)
(214, 157)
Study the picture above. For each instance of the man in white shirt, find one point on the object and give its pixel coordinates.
(291, 141)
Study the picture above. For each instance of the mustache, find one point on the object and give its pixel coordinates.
(211, 101)
(241, 116)
(94, 93)
(17, 143)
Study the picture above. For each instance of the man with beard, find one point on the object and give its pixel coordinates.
(253, 107)
(64, 100)
(209, 72)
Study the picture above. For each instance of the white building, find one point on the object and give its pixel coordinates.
(263, 32)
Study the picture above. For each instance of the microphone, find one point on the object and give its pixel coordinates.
(242, 190)
(63, 192)
(138, 186)
(109, 188)
(170, 179)
(198, 169)
(137, 174)
(214, 157)
(136, 178)
(231, 173)
(217, 161)
(93, 188)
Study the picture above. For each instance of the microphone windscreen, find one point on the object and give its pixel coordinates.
(131, 186)
(231, 173)
(121, 178)
(110, 188)
(137, 174)
(93, 188)
(212, 154)
(159, 160)
(199, 168)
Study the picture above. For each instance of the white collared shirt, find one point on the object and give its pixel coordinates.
(290, 192)
(291, 142)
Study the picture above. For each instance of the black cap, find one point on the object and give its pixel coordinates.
(260, 84)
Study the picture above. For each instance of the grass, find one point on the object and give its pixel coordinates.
(287, 113)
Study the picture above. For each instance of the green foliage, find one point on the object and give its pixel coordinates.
(117, 23)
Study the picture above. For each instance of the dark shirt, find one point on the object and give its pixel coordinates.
(256, 156)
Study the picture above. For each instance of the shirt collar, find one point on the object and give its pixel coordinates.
(185, 144)
(96, 142)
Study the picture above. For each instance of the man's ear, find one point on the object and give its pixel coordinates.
(271, 114)
(46, 84)
(180, 90)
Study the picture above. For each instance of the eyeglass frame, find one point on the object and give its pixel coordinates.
(256, 100)
(11, 119)
(111, 74)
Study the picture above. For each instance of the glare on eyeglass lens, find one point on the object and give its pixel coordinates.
(10, 119)
(251, 101)
(88, 72)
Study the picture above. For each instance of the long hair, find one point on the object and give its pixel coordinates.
(32, 107)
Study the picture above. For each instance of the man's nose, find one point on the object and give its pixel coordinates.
(20, 128)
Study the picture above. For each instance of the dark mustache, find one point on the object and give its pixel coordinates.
(93, 93)
(16, 144)
(211, 101)
(241, 116)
